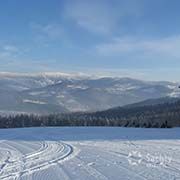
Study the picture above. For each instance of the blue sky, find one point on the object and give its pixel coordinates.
(136, 38)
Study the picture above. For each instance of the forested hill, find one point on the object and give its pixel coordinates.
(157, 116)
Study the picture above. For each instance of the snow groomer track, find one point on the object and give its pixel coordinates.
(89, 153)
(15, 164)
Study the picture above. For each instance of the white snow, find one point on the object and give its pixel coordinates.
(37, 93)
(77, 87)
(175, 93)
(33, 101)
(89, 153)
(172, 86)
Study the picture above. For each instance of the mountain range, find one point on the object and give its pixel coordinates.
(45, 93)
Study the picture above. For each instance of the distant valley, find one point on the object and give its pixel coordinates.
(58, 92)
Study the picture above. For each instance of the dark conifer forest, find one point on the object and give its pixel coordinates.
(165, 115)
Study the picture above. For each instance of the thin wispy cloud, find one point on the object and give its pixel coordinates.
(168, 46)
(10, 48)
(9, 51)
(52, 30)
(93, 16)
(99, 16)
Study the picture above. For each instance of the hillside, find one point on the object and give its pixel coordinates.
(58, 92)
(164, 115)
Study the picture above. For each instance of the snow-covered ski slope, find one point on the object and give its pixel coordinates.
(80, 153)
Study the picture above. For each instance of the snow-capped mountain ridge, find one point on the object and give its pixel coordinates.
(61, 92)
(46, 74)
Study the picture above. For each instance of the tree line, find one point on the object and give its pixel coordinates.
(165, 115)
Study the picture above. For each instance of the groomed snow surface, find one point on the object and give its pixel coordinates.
(80, 153)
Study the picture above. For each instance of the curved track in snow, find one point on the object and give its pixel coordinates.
(90, 153)
(14, 164)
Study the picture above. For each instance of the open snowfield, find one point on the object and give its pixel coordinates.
(89, 153)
